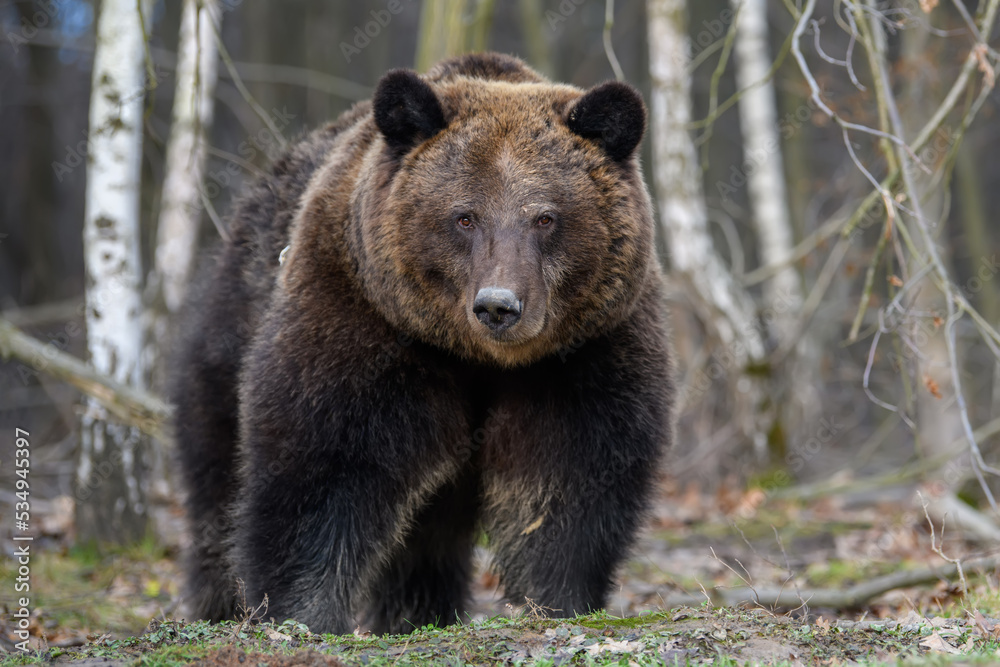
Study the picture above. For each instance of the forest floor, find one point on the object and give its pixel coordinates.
(674, 604)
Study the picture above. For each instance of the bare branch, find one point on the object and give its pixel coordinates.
(934, 257)
(849, 598)
(134, 407)
(609, 48)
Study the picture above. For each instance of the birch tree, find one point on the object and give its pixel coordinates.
(724, 306)
(762, 154)
(770, 217)
(110, 489)
(180, 208)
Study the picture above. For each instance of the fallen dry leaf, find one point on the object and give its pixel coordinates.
(988, 628)
(276, 636)
(611, 646)
(935, 642)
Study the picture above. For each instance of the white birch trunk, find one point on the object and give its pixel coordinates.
(729, 311)
(110, 494)
(762, 156)
(770, 214)
(180, 208)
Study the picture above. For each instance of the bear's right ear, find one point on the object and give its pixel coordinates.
(406, 109)
(613, 114)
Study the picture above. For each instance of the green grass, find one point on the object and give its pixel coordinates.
(31, 658)
(842, 573)
(73, 587)
(687, 635)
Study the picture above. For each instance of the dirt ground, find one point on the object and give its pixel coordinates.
(232, 656)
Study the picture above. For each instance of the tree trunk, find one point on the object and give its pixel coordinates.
(478, 38)
(937, 417)
(763, 165)
(180, 211)
(110, 485)
(536, 40)
(762, 157)
(442, 32)
(724, 306)
(976, 226)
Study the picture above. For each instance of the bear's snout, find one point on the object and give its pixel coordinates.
(497, 308)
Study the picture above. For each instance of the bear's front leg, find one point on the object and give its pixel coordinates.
(344, 438)
(571, 467)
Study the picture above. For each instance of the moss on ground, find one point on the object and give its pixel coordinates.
(680, 636)
(83, 589)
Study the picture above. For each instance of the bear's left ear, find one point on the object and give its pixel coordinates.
(612, 112)
(406, 109)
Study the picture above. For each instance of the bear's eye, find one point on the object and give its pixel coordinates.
(464, 221)
(544, 220)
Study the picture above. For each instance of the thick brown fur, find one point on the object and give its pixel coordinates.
(346, 419)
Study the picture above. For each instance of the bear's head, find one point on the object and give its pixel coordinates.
(501, 216)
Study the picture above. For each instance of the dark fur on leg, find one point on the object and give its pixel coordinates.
(427, 580)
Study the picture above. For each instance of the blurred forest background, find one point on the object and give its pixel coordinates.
(825, 186)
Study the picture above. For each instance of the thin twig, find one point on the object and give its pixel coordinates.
(833, 61)
(220, 226)
(939, 548)
(609, 49)
(735, 97)
(814, 89)
(866, 291)
(932, 253)
(713, 87)
(813, 301)
(257, 108)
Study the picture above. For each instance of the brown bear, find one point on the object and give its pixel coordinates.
(439, 315)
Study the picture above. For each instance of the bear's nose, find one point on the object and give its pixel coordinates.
(497, 308)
